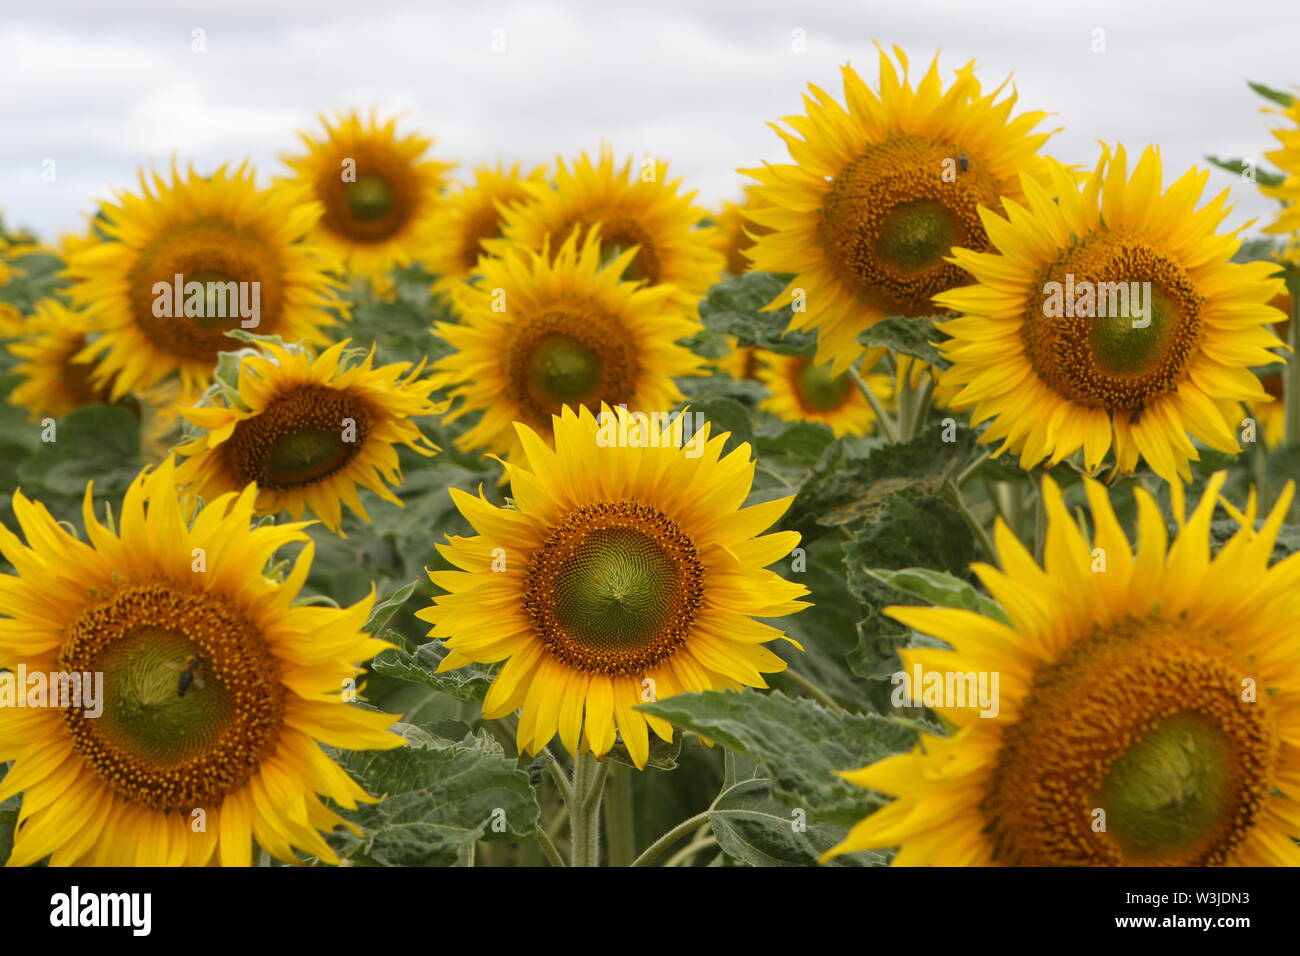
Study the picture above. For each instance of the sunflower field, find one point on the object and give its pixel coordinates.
(932, 504)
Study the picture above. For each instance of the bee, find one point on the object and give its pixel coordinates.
(963, 162)
(191, 673)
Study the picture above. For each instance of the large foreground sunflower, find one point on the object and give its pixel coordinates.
(377, 188)
(541, 332)
(1111, 316)
(470, 215)
(54, 382)
(241, 243)
(1149, 706)
(878, 194)
(217, 690)
(802, 390)
(633, 205)
(623, 573)
(309, 430)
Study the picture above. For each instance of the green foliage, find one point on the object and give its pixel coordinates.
(736, 307)
(906, 336)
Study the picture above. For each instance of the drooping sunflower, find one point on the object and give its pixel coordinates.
(634, 205)
(309, 430)
(175, 771)
(878, 194)
(1110, 316)
(54, 380)
(243, 244)
(803, 391)
(626, 571)
(541, 332)
(470, 215)
(1148, 704)
(378, 190)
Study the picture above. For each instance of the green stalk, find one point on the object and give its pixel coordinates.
(620, 829)
(584, 809)
(886, 422)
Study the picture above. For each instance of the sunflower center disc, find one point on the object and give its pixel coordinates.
(192, 698)
(620, 233)
(819, 391)
(369, 198)
(615, 588)
(893, 214)
(562, 358)
(303, 436)
(1113, 324)
(1134, 749)
(229, 261)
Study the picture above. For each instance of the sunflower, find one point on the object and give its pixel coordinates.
(805, 391)
(634, 207)
(541, 332)
(741, 363)
(54, 380)
(1271, 415)
(1148, 704)
(176, 770)
(378, 190)
(470, 215)
(626, 571)
(241, 243)
(309, 430)
(736, 232)
(1287, 159)
(879, 193)
(1137, 371)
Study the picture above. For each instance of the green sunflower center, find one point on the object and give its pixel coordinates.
(370, 198)
(561, 357)
(916, 235)
(1114, 323)
(1170, 787)
(564, 368)
(818, 390)
(192, 699)
(891, 216)
(302, 437)
(1137, 747)
(615, 588)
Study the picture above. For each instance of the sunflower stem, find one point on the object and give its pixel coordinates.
(657, 849)
(886, 422)
(584, 809)
(954, 496)
(620, 820)
(813, 691)
(548, 847)
(1291, 376)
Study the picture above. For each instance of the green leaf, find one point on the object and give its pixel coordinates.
(736, 307)
(907, 336)
(847, 485)
(444, 795)
(1277, 96)
(797, 742)
(1238, 166)
(383, 612)
(663, 756)
(468, 683)
(939, 589)
(99, 442)
(754, 828)
(727, 415)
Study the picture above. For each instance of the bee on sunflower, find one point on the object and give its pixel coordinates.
(879, 191)
(141, 604)
(624, 568)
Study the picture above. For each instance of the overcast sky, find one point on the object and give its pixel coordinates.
(103, 88)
